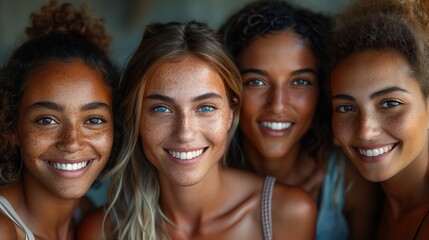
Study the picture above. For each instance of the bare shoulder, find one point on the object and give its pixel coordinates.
(91, 227)
(294, 213)
(7, 228)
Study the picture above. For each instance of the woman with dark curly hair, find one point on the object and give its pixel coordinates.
(284, 128)
(380, 99)
(57, 122)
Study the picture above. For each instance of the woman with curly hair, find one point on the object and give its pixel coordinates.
(380, 99)
(57, 123)
(284, 128)
(182, 94)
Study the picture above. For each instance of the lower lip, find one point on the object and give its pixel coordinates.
(71, 174)
(275, 133)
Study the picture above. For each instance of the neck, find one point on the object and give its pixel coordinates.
(48, 216)
(292, 168)
(188, 207)
(409, 188)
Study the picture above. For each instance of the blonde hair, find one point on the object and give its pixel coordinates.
(134, 190)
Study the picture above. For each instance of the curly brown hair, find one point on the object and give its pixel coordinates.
(385, 24)
(68, 18)
(38, 51)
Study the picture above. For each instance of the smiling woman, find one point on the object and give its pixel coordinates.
(57, 126)
(380, 98)
(182, 94)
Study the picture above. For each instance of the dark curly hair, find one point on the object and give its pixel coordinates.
(37, 52)
(380, 25)
(260, 18)
(68, 18)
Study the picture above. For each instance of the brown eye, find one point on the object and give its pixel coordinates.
(46, 121)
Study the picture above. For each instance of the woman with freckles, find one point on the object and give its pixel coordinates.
(284, 128)
(379, 83)
(56, 123)
(182, 94)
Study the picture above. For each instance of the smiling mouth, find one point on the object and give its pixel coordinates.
(376, 151)
(276, 125)
(186, 155)
(69, 166)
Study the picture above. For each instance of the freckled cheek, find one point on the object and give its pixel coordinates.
(33, 142)
(153, 131)
(217, 128)
(102, 141)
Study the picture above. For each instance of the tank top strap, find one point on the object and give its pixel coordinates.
(8, 210)
(267, 193)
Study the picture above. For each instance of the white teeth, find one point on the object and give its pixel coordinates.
(375, 152)
(276, 125)
(186, 155)
(69, 166)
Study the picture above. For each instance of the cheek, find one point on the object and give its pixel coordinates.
(253, 101)
(33, 142)
(305, 102)
(102, 140)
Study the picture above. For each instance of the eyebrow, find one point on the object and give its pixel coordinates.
(195, 99)
(60, 108)
(387, 90)
(373, 95)
(47, 105)
(94, 105)
(262, 72)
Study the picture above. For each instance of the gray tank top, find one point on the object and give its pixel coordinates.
(8, 210)
(267, 193)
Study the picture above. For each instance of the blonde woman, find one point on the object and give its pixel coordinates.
(182, 94)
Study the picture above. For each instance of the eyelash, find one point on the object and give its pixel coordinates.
(299, 82)
(42, 121)
(255, 82)
(390, 102)
(341, 109)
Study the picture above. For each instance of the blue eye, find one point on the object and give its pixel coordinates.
(161, 109)
(390, 104)
(206, 108)
(301, 82)
(95, 121)
(345, 109)
(46, 121)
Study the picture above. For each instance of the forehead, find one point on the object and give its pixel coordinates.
(65, 79)
(184, 73)
(372, 70)
(279, 46)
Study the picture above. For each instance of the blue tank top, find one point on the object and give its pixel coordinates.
(331, 223)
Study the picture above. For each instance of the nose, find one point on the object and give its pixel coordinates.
(368, 126)
(71, 138)
(185, 127)
(278, 100)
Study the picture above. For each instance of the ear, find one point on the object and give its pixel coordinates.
(232, 112)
